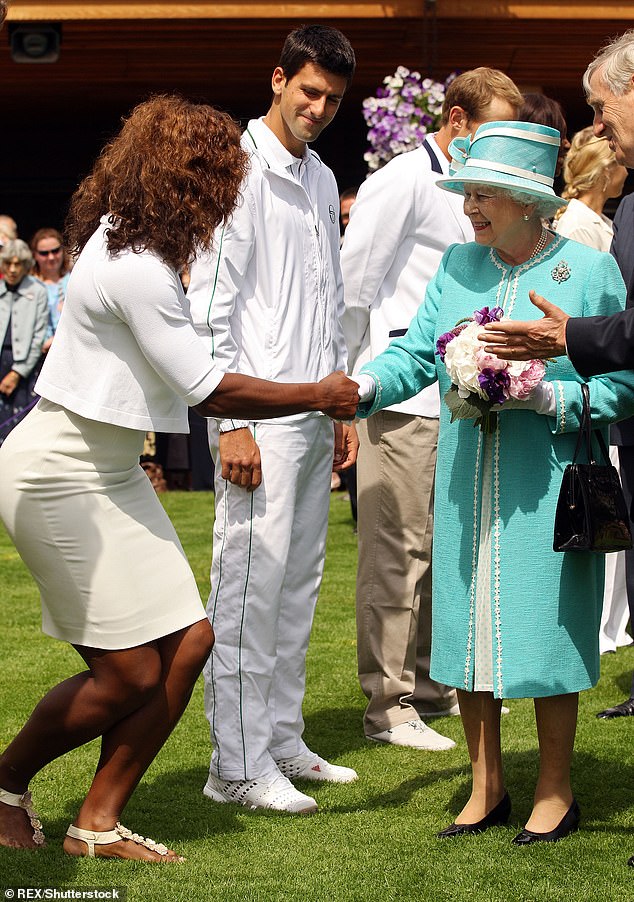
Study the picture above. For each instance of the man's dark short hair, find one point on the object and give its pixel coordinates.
(321, 45)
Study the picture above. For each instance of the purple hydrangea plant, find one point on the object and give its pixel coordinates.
(401, 114)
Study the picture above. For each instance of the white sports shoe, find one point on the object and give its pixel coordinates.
(310, 766)
(416, 735)
(276, 793)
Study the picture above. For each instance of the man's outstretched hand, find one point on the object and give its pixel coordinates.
(540, 338)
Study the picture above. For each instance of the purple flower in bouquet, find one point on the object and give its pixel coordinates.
(442, 342)
(495, 384)
(401, 114)
(484, 316)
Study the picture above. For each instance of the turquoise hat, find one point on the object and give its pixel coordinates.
(517, 155)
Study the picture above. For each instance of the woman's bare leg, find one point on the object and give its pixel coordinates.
(480, 713)
(118, 685)
(556, 718)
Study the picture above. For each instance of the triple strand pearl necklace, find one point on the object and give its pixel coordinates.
(541, 244)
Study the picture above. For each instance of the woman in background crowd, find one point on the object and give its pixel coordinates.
(52, 268)
(23, 323)
(592, 177)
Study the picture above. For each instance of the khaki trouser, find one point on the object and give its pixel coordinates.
(395, 473)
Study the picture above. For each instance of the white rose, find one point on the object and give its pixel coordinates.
(461, 363)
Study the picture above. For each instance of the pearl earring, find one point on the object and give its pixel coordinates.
(526, 217)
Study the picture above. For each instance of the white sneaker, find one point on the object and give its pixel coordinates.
(310, 766)
(275, 793)
(454, 711)
(416, 735)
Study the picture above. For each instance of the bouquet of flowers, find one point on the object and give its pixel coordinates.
(401, 114)
(481, 380)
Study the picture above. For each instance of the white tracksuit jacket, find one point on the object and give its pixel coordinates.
(269, 296)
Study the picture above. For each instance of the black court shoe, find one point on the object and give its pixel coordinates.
(568, 824)
(625, 709)
(497, 817)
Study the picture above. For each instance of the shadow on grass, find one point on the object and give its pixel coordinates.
(172, 808)
(599, 796)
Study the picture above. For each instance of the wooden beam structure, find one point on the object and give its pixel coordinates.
(77, 10)
(116, 53)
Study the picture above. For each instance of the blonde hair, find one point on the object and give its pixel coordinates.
(586, 163)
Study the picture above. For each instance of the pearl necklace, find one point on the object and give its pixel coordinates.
(541, 244)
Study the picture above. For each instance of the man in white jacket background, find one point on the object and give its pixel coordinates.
(269, 300)
(400, 226)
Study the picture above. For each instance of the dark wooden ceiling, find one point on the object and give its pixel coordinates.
(57, 116)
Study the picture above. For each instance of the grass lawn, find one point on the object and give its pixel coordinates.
(373, 840)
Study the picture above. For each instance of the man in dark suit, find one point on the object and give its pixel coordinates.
(597, 344)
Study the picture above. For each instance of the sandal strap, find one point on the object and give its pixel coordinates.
(150, 844)
(94, 838)
(24, 801)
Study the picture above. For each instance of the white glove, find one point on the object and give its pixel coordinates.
(367, 387)
(541, 400)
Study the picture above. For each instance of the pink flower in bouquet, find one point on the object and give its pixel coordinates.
(488, 361)
(525, 377)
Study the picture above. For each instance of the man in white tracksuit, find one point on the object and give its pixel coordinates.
(269, 298)
(400, 226)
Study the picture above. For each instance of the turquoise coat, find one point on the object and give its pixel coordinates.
(545, 606)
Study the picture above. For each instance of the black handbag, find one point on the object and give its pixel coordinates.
(591, 512)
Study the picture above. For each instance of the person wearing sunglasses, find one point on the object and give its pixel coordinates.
(52, 268)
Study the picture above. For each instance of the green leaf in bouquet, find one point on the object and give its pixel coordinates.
(470, 408)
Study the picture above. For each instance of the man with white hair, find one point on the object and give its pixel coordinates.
(597, 344)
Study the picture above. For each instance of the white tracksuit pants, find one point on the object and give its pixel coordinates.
(268, 558)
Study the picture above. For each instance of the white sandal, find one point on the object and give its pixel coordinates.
(94, 838)
(23, 800)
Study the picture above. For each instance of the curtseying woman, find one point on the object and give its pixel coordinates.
(112, 574)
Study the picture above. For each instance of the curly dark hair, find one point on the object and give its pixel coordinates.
(168, 180)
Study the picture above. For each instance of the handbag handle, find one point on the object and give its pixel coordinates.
(586, 431)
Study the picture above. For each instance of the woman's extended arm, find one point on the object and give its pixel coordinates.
(256, 399)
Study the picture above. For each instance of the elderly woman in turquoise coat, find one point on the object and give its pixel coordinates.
(511, 618)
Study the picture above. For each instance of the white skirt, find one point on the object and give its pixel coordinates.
(87, 523)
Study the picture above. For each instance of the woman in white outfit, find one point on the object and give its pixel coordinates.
(112, 574)
(592, 177)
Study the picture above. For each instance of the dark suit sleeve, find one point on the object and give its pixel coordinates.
(601, 344)
(604, 344)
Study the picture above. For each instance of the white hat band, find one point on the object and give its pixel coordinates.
(510, 170)
(513, 133)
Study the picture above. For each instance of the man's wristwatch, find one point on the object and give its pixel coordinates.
(231, 425)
